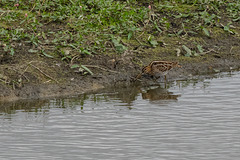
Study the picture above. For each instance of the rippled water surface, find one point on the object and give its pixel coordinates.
(188, 120)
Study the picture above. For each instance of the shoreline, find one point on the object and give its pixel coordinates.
(94, 83)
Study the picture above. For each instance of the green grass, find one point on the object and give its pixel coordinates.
(70, 28)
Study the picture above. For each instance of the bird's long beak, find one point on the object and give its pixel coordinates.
(179, 66)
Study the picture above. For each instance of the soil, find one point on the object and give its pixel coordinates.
(34, 76)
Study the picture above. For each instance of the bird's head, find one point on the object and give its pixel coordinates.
(146, 69)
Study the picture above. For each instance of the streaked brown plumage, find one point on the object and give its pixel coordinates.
(158, 67)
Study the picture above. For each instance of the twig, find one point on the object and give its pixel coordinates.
(4, 81)
(141, 33)
(33, 7)
(231, 50)
(108, 42)
(138, 41)
(211, 50)
(94, 66)
(22, 74)
(43, 72)
(71, 62)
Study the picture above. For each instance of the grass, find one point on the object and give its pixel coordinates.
(78, 28)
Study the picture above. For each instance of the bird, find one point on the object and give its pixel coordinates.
(158, 67)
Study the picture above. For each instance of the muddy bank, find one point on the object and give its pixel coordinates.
(36, 77)
(79, 85)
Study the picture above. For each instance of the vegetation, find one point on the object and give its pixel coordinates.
(72, 29)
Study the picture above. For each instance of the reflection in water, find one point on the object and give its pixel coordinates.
(158, 93)
(126, 95)
(24, 106)
(202, 123)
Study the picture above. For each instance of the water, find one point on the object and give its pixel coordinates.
(195, 119)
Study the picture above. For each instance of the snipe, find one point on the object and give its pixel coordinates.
(158, 67)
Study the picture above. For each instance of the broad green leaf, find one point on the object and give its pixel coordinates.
(154, 43)
(87, 52)
(189, 52)
(200, 49)
(226, 28)
(74, 66)
(157, 27)
(195, 53)
(121, 48)
(206, 32)
(44, 35)
(236, 19)
(192, 32)
(12, 52)
(47, 55)
(71, 45)
(87, 69)
(183, 25)
(35, 43)
(130, 35)
(179, 32)
(32, 51)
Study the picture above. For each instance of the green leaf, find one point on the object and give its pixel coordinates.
(200, 49)
(87, 69)
(178, 16)
(154, 43)
(155, 23)
(71, 45)
(87, 52)
(44, 35)
(130, 35)
(74, 66)
(206, 32)
(47, 55)
(236, 19)
(192, 32)
(12, 52)
(189, 52)
(226, 28)
(121, 48)
(159, 29)
(115, 41)
(179, 32)
(195, 53)
(32, 51)
(35, 43)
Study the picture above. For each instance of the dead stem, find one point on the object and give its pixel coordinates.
(94, 66)
(43, 72)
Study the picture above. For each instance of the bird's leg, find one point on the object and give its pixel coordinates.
(155, 79)
(165, 85)
(165, 78)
